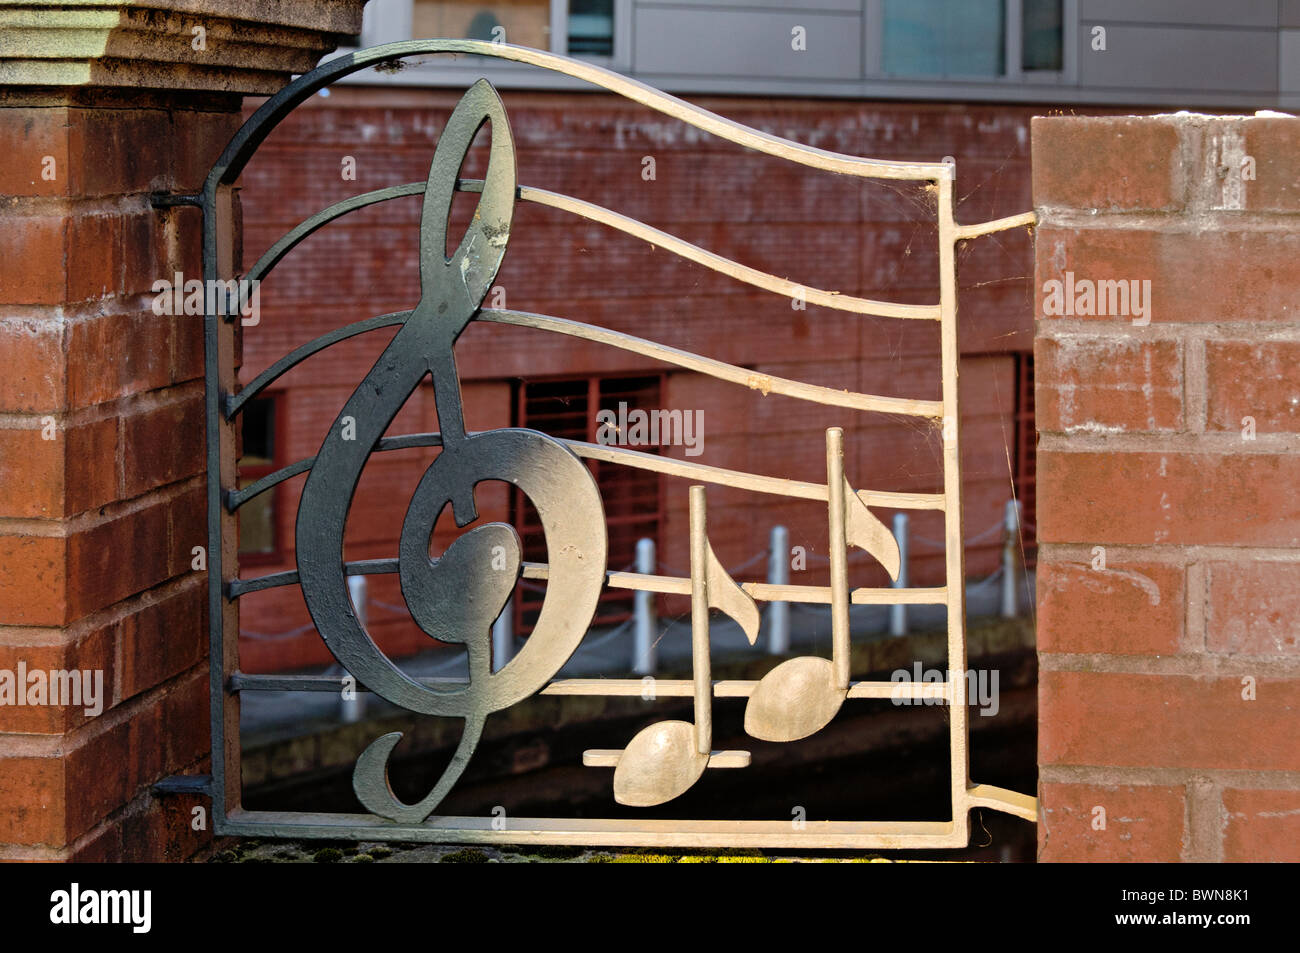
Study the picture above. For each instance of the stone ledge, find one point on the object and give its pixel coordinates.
(249, 46)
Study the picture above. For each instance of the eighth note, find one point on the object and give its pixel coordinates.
(801, 696)
(665, 759)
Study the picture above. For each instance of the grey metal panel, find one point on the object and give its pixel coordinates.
(1180, 58)
(1289, 72)
(1047, 94)
(717, 42)
(800, 6)
(1236, 13)
(1289, 14)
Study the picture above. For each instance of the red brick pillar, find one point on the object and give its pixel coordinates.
(101, 411)
(1169, 487)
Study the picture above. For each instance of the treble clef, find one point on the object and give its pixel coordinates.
(455, 598)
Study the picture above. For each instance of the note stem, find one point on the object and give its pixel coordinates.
(835, 484)
(700, 666)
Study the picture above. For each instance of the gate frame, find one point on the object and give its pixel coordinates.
(222, 406)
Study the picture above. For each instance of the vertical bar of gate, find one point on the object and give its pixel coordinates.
(898, 613)
(645, 619)
(778, 574)
(352, 706)
(503, 636)
(223, 547)
(1010, 568)
(954, 551)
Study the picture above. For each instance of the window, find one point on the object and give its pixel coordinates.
(633, 501)
(589, 24)
(259, 422)
(1041, 44)
(519, 22)
(939, 38)
(591, 27)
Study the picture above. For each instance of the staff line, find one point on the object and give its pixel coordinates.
(637, 459)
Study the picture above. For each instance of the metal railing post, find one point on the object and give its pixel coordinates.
(1010, 604)
(503, 636)
(778, 574)
(352, 710)
(898, 613)
(646, 621)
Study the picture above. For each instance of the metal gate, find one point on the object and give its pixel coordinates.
(456, 597)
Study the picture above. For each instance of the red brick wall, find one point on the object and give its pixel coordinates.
(98, 523)
(1169, 693)
(823, 230)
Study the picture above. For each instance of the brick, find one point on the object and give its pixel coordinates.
(117, 355)
(33, 580)
(47, 479)
(1252, 379)
(109, 158)
(1168, 498)
(163, 639)
(103, 770)
(184, 718)
(1253, 280)
(1167, 721)
(90, 468)
(1126, 609)
(143, 260)
(34, 793)
(32, 260)
(187, 527)
(94, 256)
(1261, 826)
(1142, 824)
(151, 830)
(187, 348)
(94, 652)
(1252, 608)
(35, 134)
(31, 365)
(31, 474)
(1110, 163)
(1108, 384)
(118, 558)
(204, 135)
(1271, 142)
(163, 444)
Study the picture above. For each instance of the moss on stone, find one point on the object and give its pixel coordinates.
(466, 855)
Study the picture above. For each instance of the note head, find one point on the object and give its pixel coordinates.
(660, 763)
(796, 699)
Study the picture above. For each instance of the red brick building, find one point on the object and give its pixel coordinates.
(919, 80)
(870, 239)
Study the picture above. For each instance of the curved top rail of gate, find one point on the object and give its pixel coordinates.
(269, 114)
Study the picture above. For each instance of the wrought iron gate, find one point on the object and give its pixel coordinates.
(456, 597)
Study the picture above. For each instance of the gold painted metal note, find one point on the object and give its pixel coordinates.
(801, 696)
(664, 760)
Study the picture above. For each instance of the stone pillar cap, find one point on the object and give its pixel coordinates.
(226, 46)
